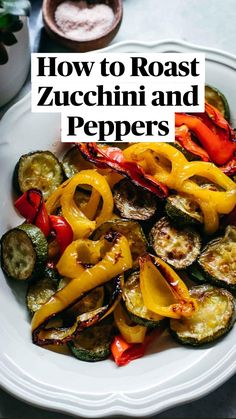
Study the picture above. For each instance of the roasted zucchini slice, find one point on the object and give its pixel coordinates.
(73, 162)
(183, 210)
(130, 229)
(214, 318)
(132, 202)
(40, 170)
(218, 260)
(134, 304)
(24, 251)
(218, 100)
(93, 344)
(90, 302)
(39, 293)
(178, 247)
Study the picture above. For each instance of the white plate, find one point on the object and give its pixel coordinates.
(170, 374)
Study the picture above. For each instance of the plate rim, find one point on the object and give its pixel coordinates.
(120, 403)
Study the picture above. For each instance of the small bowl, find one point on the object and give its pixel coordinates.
(49, 8)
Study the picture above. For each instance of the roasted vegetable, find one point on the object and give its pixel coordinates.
(114, 158)
(39, 293)
(116, 261)
(163, 290)
(92, 301)
(24, 252)
(133, 202)
(130, 331)
(218, 259)
(93, 344)
(212, 131)
(134, 304)
(73, 162)
(75, 324)
(214, 318)
(83, 221)
(130, 229)
(215, 98)
(179, 248)
(183, 210)
(39, 169)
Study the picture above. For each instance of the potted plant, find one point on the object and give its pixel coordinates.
(14, 47)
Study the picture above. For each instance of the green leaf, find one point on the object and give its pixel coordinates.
(6, 21)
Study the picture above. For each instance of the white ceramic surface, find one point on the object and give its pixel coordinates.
(14, 72)
(169, 374)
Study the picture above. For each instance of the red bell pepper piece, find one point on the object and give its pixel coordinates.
(183, 137)
(31, 206)
(124, 352)
(216, 143)
(63, 230)
(213, 131)
(113, 158)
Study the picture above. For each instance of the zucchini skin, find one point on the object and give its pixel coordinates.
(93, 344)
(164, 237)
(181, 217)
(211, 249)
(73, 162)
(39, 293)
(39, 249)
(131, 292)
(18, 181)
(188, 331)
(216, 98)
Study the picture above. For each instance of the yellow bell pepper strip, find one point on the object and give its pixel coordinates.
(179, 178)
(81, 225)
(60, 335)
(79, 253)
(115, 261)
(162, 289)
(132, 333)
(91, 207)
(53, 202)
(170, 153)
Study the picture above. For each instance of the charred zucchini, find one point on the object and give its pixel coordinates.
(39, 293)
(24, 251)
(130, 229)
(73, 162)
(214, 318)
(93, 344)
(135, 307)
(179, 248)
(90, 302)
(183, 210)
(41, 170)
(218, 259)
(133, 202)
(218, 100)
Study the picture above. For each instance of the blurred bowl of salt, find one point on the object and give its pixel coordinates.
(82, 25)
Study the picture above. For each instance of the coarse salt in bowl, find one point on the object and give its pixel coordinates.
(82, 25)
